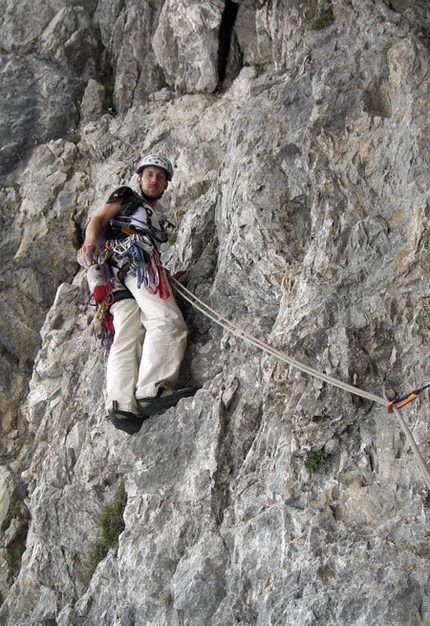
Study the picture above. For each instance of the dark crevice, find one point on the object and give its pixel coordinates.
(228, 20)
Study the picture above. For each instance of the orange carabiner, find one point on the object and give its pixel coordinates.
(399, 403)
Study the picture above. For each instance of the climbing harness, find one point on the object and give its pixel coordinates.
(392, 406)
(142, 260)
(138, 255)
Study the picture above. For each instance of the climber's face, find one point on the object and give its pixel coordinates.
(152, 182)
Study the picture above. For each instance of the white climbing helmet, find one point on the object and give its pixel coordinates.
(154, 159)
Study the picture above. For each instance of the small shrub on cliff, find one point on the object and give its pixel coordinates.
(74, 138)
(324, 16)
(160, 76)
(111, 524)
(259, 69)
(315, 460)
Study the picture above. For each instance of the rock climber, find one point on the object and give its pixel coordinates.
(149, 329)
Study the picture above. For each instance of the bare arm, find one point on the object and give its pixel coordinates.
(89, 252)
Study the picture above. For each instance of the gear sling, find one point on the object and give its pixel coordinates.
(129, 245)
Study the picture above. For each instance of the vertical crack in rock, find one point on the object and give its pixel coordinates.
(220, 492)
(14, 530)
(228, 21)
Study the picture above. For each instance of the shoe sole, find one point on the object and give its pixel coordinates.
(128, 424)
(158, 405)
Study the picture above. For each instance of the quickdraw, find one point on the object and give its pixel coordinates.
(404, 399)
(143, 259)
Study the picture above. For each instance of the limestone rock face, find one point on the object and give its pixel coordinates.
(299, 133)
(186, 44)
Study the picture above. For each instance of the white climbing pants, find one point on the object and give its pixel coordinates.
(148, 347)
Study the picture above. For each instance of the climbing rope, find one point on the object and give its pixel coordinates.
(392, 406)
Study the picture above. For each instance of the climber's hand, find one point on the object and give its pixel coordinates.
(87, 255)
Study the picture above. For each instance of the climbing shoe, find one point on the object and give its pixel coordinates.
(126, 421)
(165, 399)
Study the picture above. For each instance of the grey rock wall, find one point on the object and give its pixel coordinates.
(301, 194)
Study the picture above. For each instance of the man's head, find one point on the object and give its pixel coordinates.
(153, 175)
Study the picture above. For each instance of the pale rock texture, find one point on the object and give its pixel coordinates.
(301, 195)
(186, 44)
